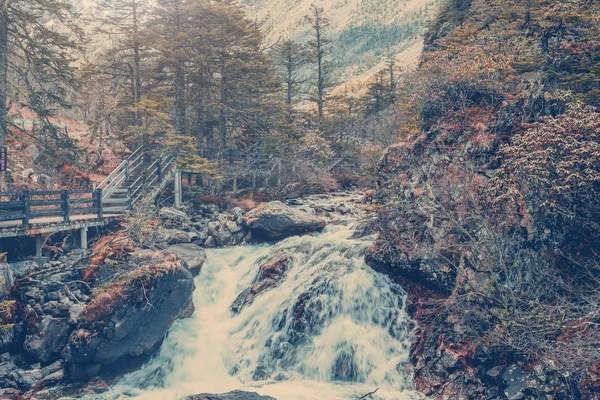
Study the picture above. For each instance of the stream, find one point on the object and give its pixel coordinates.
(332, 329)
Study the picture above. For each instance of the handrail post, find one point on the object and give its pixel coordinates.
(159, 170)
(98, 194)
(26, 196)
(66, 207)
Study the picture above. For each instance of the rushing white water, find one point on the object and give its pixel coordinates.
(333, 329)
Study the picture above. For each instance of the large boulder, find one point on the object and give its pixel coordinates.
(235, 395)
(131, 318)
(48, 339)
(192, 254)
(275, 220)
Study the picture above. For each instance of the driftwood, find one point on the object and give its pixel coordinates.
(368, 394)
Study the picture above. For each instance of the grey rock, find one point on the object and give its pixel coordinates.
(275, 220)
(220, 233)
(33, 152)
(23, 268)
(192, 254)
(49, 339)
(75, 312)
(365, 228)
(233, 227)
(210, 243)
(173, 236)
(238, 214)
(235, 395)
(137, 327)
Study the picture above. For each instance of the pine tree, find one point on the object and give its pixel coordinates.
(122, 23)
(3, 69)
(169, 41)
(319, 48)
(36, 59)
(290, 58)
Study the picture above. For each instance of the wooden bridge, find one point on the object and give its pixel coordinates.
(34, 213)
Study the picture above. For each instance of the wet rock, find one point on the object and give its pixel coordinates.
(134, 320)
(517, 382)
(192, 254)
(220, 233)
(210, 243)
(275, 220)
(48, 339)
(364, 228)
(270, 274)
(235, 395)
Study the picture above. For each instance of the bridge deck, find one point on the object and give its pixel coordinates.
(53, 224)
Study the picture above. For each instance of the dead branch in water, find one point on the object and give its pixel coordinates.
(368, 394)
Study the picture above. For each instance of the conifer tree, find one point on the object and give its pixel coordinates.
(290, 58)
(36, 57)
(319, 48)
(122, 23)
(3, 69)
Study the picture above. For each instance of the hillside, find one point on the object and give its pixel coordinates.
(364, 32)
(491, 201)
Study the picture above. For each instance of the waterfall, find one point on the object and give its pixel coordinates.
(332, 329)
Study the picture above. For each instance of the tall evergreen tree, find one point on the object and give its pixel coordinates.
(3, 69)
(36, 58)
(290, 58)
(122, 23)
(319, 47)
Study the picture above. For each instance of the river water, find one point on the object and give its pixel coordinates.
(333, 329)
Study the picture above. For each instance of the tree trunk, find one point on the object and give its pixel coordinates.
(136, 61)
(320, 78)
(180, 125)
(3, 69)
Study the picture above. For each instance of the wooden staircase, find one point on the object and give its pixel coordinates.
(134, 179)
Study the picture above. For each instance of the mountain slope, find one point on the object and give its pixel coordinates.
(364, 32)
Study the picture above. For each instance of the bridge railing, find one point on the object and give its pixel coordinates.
(27, 205)
(117, 194)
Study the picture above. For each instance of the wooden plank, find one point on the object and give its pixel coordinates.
(82, 191)
(117, 200)
(11, 216)
(115, 209)
(26, 207)
(81, 201)
(11, 204)
(98, 202)
(45, 192)
(38, 203)
(86, 210)
(46, 213)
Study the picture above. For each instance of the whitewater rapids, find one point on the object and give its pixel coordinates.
(356, 336)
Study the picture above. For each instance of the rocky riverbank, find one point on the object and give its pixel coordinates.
(84, 315)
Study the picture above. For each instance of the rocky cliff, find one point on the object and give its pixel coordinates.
(489, 215)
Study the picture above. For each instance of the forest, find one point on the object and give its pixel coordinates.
(475, 172)
(227, 102)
